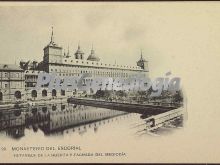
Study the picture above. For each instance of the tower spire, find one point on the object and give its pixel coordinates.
(52, 37)
(92, 50)
(79, 45)
(141, 54)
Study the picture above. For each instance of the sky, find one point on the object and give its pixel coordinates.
(165, 32)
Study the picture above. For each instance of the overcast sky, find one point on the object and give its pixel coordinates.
(166, 32)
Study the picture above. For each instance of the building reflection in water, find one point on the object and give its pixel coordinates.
(12, 123)
(54, 119)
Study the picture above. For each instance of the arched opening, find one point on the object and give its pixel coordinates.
(1, 96)
(17, 94)
(62, 92)
(54, 92)
(34, 93)
(17, 112)
(34, 110)
(44, 93)
(63, 107)
(54, 107)
(44, 109)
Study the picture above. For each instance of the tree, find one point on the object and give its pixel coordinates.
(121, 93)
(106, 94)
(178, 96)
(99, 94)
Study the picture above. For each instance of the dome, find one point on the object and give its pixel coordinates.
(93, 57)
(79, 54)
(79, 51)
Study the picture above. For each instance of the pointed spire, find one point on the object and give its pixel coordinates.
(79, 45)
(68, 51)
(142, 59)
(52, 37)
(141, 54)
(92, 50)
(67, 54)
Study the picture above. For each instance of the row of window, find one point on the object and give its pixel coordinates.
(10, 75)
(104, 75)
(76, 72)
(82, 62)
(17, 95)
(78, 69)
(12, 85)
(27, 77)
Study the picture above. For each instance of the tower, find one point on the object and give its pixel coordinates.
(52, 52)
(92, 56)
(143, 63)
(79, 53)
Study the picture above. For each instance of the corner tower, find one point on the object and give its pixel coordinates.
(52, 52)
(143, 63)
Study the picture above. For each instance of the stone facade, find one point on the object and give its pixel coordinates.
(75, 64)
(12, 83)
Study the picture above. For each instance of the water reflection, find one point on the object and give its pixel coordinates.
(13, 123)
(54, 119)
(57, 119)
